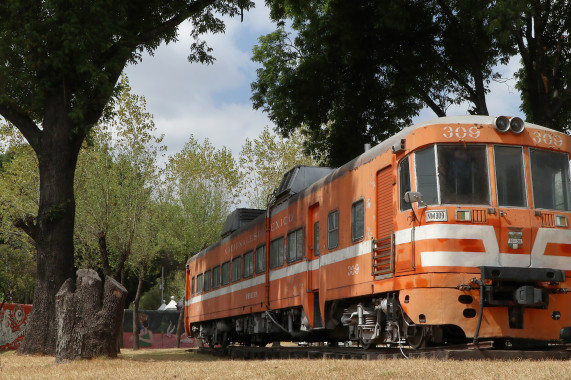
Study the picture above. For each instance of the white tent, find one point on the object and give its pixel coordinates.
(171, 305)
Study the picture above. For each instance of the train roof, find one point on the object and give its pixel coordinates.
(387, 144)
(312, 178)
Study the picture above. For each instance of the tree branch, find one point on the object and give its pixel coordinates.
(104, 253)
(27, 225)
(23, 122)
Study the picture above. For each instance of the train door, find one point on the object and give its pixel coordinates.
(313, 248)
(382, 261)
(313, 307)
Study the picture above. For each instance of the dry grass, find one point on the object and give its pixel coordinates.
(180, 364)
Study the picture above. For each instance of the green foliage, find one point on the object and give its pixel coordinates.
(264, 160)
(17, 273)
(202, 184)
(540, 33)
(116, 176)
(174, 286)
(355, 72)
(151, 299)
(19, 194)
(83, 46)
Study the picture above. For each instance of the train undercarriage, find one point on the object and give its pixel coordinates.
(366, 321)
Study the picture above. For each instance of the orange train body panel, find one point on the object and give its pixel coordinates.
(346, 254)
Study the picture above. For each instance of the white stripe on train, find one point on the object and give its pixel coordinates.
(491, 256)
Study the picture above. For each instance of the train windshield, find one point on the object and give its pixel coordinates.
(550, 178)
(462, 174)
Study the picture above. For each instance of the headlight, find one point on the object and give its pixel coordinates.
(517, 125)
(502, 123)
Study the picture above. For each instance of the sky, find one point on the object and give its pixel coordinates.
(213, 101)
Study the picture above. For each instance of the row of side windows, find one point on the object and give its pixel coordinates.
(357, 224)
(231, 271)
(244, 266)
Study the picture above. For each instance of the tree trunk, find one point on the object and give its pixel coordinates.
(179, 326)
(57, 149)
(136, 323)
(88, 317)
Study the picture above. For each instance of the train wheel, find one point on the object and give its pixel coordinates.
(225, 341)
(367, 344)
(416, 336)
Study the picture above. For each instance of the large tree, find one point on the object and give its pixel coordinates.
(60, 61)
(540, 32)
(356, 72)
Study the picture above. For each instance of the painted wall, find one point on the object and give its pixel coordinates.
(157, 329)
(13, 319)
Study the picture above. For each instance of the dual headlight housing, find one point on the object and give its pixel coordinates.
(503, 124)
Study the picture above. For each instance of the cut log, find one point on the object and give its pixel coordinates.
(88, 316)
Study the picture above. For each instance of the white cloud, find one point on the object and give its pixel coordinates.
(213, 101)
(207, 101)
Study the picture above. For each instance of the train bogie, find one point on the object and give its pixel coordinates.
(451, 231)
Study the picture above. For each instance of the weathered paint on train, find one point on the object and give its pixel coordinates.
(436, 251)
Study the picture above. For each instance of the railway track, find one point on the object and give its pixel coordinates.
(482, 351)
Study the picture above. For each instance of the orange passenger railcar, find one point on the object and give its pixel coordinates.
(451, 231)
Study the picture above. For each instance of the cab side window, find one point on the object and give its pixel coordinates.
(404, 183)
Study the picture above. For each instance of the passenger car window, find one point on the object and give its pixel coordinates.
(333, 229)
(277, 253)
(207, 280)
(216, 277)
(248, 264)
(226, 273)
(236, 268)
(358, 220)
(199, 283)
(295, 245)
(260, 259)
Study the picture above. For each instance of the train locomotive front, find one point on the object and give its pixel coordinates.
(451, 231)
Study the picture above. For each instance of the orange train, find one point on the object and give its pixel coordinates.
(451, 231)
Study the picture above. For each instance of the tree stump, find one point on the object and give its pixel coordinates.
(88, 316)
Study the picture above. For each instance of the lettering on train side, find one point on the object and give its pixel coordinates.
(251, 295)
(253, 237)
(461, 132)
(353, 270)
(547, 138)
(279, 223)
